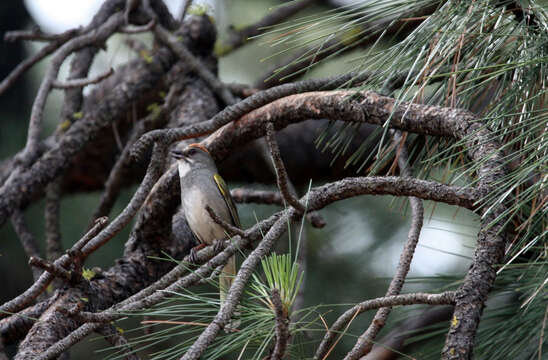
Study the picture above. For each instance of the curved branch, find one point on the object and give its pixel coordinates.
(325, 347)
(348, 106)
(365, 341)
(279, 168)
(27, 239)
(79, 83)
(240, 109)
(59, 40)
(318, 198)
(96, 37)
(431, 120)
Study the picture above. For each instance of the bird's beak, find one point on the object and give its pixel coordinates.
(177, 154)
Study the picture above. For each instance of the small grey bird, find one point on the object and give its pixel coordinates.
(202, 186)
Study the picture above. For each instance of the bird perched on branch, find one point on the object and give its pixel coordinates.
(202, 186)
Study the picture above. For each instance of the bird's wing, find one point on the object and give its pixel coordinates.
(223, 189)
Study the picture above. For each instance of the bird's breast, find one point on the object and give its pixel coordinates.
(201, 224)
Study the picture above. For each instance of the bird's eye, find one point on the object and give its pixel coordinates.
(191, 152)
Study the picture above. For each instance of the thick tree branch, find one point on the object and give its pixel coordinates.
(15, 327)
(282, 326)
(240, 109)
(348, 106)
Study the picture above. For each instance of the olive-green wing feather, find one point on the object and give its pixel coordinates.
(223, 189)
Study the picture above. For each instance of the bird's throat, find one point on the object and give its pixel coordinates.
(184, 168)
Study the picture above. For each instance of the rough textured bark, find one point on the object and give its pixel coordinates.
(151, 237)
(188, 71)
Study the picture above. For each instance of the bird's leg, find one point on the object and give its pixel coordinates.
(193, 257)
(218, 245)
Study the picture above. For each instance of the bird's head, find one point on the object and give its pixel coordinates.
(193, 157)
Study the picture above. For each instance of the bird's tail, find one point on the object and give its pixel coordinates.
(226, 278)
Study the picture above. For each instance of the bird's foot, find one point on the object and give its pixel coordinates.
(218, 246)
(193, 255)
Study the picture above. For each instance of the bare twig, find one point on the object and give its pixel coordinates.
(52, 268)
(407, 299)
(229, 228)
(242, 195)
(282, 326)
(40, 285)
(28, 240)
(281, 175)
(365, 341)
(74, 83)
(245, 196)
(95, 37)
(36, 34)
(28, 63)
(395, 185)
